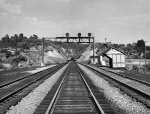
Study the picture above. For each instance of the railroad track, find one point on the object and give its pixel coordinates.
(74, 93)
(122, 75)
(20, 79)
(133, 87)
(10, 90)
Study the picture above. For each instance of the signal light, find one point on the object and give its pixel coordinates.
(89, 34)
(79, 34)
(67, 34)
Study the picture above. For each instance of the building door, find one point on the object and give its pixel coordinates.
(110, 62)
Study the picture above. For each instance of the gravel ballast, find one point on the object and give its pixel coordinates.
(29, 103)
(39, 69)
(121, 101)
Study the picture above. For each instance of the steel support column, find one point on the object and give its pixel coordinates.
(42, 64)
(93, 50)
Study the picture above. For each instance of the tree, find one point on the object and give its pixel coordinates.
(1, 44)
(22, 42)
(24, 46)
(21, 38)
(14, 41)
(140, 46)
(6, 40)
(148, 55)
(33, 38)
(116, 45)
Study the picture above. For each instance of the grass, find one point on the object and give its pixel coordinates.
(135, 71)
(137, 75)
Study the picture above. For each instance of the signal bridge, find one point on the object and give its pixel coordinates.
(71, 39)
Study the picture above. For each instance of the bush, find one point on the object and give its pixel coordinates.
(17, 53)
(148, 55)
(15, 60)
(8, 54)
(128, 66)
(1, 60)
(22, 58)
(1, 66)
(147, 66)
(19, 59)
(3, 50)
(135, 68)
(136, 56)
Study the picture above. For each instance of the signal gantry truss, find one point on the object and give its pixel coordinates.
(71, 39)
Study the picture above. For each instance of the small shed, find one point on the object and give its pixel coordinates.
(116, 57)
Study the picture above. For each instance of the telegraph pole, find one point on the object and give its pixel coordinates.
(42, 64)
(93, 51)
(89, 35)
(29, 57)
(145, 56)
(105, 43)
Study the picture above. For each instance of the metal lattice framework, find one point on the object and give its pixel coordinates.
(73, 39)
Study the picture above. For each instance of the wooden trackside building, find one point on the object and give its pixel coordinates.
(116, 57)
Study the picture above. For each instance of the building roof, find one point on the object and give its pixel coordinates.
(108, 49)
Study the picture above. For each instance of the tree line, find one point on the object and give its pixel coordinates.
(134, 50)
(19, 41)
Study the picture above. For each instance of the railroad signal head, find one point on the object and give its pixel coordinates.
(79, 34)
(89, 34)
(67, 34)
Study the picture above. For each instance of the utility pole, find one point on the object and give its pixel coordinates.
(105, 43)
(89, 35)
(93, 50)
(42, 64)
(145, 57)
(29, 58)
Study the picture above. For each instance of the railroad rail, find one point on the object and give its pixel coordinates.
(122, 75)
(134, 87)
(11, 89)
(74, 93)
(20, 79)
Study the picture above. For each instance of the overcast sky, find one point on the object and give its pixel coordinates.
(121, 21)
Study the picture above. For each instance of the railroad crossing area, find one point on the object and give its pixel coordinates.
(72, 88)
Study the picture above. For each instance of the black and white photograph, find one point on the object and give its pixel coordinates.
(74, 56)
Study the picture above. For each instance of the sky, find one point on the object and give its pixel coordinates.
(120, 21)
